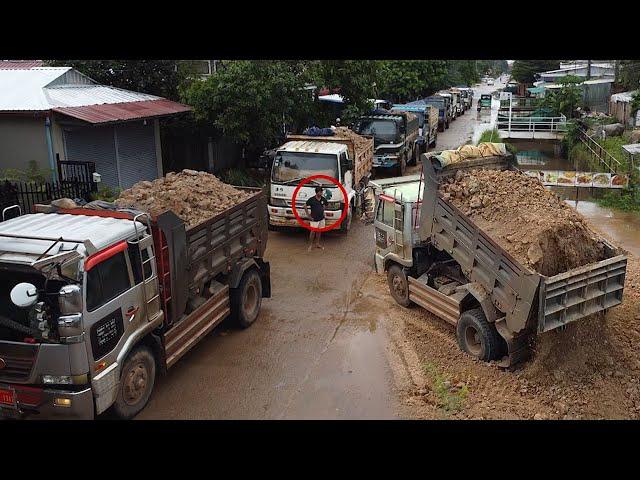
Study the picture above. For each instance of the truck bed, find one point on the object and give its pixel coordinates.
(527, 298)
(193, 256)
(362, 157)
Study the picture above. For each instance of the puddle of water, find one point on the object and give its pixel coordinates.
(623, 227)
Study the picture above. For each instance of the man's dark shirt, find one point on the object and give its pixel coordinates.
(317, 208)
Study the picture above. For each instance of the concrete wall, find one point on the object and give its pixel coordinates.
(22, 139)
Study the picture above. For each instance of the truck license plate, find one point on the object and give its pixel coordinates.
(6, 396)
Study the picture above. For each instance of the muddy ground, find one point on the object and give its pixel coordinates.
(332, 344)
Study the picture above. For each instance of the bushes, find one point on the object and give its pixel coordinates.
(627, 200)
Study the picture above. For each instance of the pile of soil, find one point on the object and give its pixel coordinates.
(193, 196)
(359, 141)
(529, 221)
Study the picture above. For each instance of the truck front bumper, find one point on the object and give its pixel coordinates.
(284, 217)
(40, 403)
(385, 161)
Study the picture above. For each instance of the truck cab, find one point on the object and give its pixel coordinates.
(77, 292)
(296, 160)
(427, 128)
(451, 105)
(395, 139)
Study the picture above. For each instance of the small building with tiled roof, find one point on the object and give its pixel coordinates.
(56, 114)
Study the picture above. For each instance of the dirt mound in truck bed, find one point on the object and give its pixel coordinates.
(530, 222)
(360, 141)
(193, 196)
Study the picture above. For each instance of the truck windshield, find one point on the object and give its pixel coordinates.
(294, 166)
(385, 130)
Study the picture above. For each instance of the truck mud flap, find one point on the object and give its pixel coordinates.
(265, 277)
(581, 292)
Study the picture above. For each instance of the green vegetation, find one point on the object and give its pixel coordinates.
(449, 398)
(525, 70)
(566, 99)
(627, 200)
(493, 136)
(33, 173)
(613, 145)
(630, 74)
(106, 194)
(240, 178)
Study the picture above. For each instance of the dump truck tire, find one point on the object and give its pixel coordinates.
(398, 285)
(136, 382)
(246, 300)
(478, 337)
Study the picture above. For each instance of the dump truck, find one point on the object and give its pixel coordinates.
(427, 123)
(96, 303)
(444, 114)
(436, 257)
(345, 156)
(395, 139)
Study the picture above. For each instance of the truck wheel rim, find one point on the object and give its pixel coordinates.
(472, 340)
(135, 384)
(251, 299)
(398, 285)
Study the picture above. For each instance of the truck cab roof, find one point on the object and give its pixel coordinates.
(328, 148)
(33, 234)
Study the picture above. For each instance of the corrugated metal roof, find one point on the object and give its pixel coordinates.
(118, 112)
(313, 147)
(623, 97)
(52, 88)
(633, 148)
(22, 90)
(100, 231)
(19, 64)
(83, 95)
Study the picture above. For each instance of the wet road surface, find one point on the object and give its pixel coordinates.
(310, 355)
(322, 347)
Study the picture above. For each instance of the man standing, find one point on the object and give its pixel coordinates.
(317, 204)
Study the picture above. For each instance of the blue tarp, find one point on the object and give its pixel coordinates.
(318, 132)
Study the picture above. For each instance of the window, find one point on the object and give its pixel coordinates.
(134, 257)
(385, 212)
(106, 281)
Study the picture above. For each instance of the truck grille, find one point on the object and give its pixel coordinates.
(18, 361)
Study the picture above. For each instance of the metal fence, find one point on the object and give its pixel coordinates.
(27, 194)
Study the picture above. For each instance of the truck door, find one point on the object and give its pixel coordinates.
(389, 224)
(114, 308)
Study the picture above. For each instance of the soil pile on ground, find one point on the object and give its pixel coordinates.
(530, 222)
(360, 141)
(193, 196)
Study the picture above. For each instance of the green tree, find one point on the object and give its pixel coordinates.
(356, 80)
(407, 80)
(524, 71)
(156, 77)
(252, 102)
(461, 72)
(565, 99)
(630, 74)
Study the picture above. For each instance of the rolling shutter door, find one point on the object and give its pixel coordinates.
(94, 144)
(136, 152)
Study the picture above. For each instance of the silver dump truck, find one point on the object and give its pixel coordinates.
(435, 256)
(95, 303)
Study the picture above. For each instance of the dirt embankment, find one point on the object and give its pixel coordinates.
(530, 222)
(193, 196)
(590, 370)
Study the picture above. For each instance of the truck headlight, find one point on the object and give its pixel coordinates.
(65, 379)
(57, 379)
(278, 202)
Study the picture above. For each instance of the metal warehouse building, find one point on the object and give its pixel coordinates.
(56, 113)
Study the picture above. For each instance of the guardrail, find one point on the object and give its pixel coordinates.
(604, 157)
(513, 123)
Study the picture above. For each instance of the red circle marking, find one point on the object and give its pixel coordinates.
(299, 218)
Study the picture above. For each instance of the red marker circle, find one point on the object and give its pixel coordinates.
(299, 218)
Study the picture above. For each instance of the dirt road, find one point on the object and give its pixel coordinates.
(332, 344)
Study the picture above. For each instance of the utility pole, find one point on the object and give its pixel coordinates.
(588, 69)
